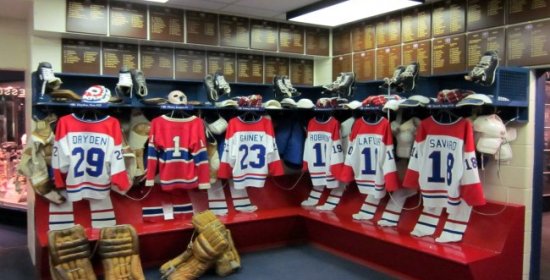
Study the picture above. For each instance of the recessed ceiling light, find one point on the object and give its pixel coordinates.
(334, 13)
(157, 1)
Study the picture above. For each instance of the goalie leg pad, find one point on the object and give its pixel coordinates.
(119, 250)
(69, 252)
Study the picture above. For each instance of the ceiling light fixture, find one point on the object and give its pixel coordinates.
(157, 1)
(337, 12)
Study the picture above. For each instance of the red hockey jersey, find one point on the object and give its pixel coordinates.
(443, 164)
(370, 158)
(323, 154)
(177, 150)
(250, 153)
(87, 157)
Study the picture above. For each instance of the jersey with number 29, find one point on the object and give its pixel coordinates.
(443, 165)
(250, 153)
(323, 153)
(370, 159)
(87, 157)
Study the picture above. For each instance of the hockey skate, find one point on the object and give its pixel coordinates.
(395, 80)
(221, 84)
(49, 81)
(346, 85)
(407, 79)
(293, 92)
(484, 72)
(334, 86)
(138, 80)
(211, 92)
(125, 84)
(280, 89)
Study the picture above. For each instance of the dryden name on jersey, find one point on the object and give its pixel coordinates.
(89, 139)
(443, 144)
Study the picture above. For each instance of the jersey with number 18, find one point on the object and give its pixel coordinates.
(443, 165)
(87, 157)
(250, 153)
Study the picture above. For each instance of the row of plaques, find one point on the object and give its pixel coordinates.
(518, 45)
(158, 62)
(440, 19)
(168, 24)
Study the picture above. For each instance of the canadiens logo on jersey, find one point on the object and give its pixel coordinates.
(87, 157)
(250, 153)
(323, 154)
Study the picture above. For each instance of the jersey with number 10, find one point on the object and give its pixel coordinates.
(87, 157)
(443, 164)
(323, 154)
(250, 153)
(177, 149)
(370, 159)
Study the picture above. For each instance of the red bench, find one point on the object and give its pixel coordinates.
(492, 247)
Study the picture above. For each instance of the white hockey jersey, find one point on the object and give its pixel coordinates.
(250, 153)
(323, 153)
(87, 157)
(370, 159)
(443, 165)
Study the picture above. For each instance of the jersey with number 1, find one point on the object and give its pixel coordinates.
(443, 164)
(370, 160)
(177, 150)
(323, 154)
(87, 157)
(250, 153)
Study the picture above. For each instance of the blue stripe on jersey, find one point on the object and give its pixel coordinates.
(179, 182)
(151, 151)
(366, 185)
(318, 177)
(248, 178)
(426, 224)
(201, 157)
(183, 208)
(151, 211)
(389, 220)
(434, 196)
(61, 222)
(104, 219)
(368, 212)
(453, 231)
(454, 203)
(88, 188)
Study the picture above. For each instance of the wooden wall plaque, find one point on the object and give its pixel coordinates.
(341, 64)
(80, 56)
(117, 55)
(526, 10)
(291, 38)
(275, 66)
(419, 52)
(223, 62)
(301, 71)
(416, 24)
(449, 55)
(363, 36)
(263, 35)
(341, 40)
(317, 40)
(87, 16)
(250, 68)
(157, 62)
(128, 20)
(201, 28)
(190, 64)
(528, 44)
(482, 41)
(364, 65)
(448, 17)
(166, 24)
(388, 30)
(387, 59)
(485, 14)
(234, 31)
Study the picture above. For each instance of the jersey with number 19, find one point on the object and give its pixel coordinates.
(443, 164)
(370, 159)
(87, 157)
(323, 154)
(250, 153)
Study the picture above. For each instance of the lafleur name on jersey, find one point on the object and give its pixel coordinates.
(89, 139)
(442, 144)
(369, 140)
